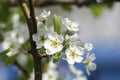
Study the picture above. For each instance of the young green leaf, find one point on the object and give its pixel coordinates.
(57, 24)
(57, 57)
(25, 46)
(10, 60)
(67, 8)
(4, 52)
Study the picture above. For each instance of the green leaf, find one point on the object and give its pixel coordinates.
(18, 11)
(4, 52)
(25, 46)
(9, 26)
(57, 57)
(4, 11)
(97, 9)
(57, 24)
(109, 5)
(10, 60)
(67, 8)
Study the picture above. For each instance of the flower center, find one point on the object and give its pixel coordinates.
(42, 38)
(73, 54)
(70, 25)
(17, 35)
(55, 43)
(50, 77)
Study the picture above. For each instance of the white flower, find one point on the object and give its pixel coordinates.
(72, 26)
(75, 71)
(50, 75)
(80, 78)
(31, 76)
(43, 16)
(90, 65)
(78, 73)
(72, 39)
(13, 47)
(74, 54)
(53, 44)
(40, 38)
(88, 46)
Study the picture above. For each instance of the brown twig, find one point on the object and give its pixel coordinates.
(24, 71)
(32, 26)
(79, 3)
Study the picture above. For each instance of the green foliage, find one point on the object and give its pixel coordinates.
(67, 8)
(97, 9)
(7, 60)
(10, 60)
(57, 57)
(4, 11)
(18, 10)
(4, 52)
(30, 63)
(25, 46)
(57, 24)
(8, 27)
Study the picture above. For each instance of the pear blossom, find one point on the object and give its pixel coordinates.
(78, 73)
(51, 74)
(12, 46)
(80, 78)
(74, 54)
(75, 71)
(73, 39)
(43, 16)
(53, 43)
(72, 26)
(88, 46)
(90, 65)
(40, 38)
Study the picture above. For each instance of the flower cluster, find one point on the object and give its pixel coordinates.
(15, 37)
(66, 45)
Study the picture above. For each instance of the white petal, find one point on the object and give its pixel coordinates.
(35, 37)
(92, 57)
(92, 66)
(70, 61)
(49, 52)
(66, 21)
(78, 59)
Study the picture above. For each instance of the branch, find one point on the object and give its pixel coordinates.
(79, 3)
(32, 26)
(24, 71)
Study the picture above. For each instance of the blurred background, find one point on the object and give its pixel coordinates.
(99, 24)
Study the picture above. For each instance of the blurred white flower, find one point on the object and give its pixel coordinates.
(40, 38)
(72, 39)
(54, 43)
(88, 46)
(72, 26)
(90, 65)
(43, 16)
(75, 71)
(78, 73)
(12, 46)
(74, 54)
(52, 65)
(31, 76)
(50, 75)
(80, 78)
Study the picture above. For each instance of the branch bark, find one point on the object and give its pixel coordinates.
(28, 11)
(79, 3)
(24, 71)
